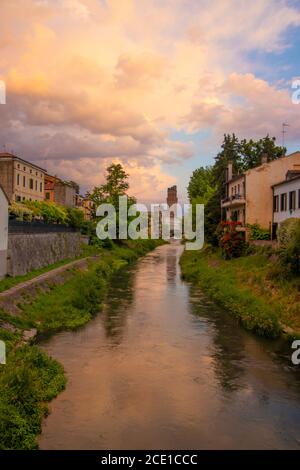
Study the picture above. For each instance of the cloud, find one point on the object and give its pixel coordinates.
(90, 82)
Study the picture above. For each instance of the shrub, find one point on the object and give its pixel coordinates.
(75, 217)
(231, 240)
(289, 241)
(258, 233)
(21, 212)
(52, 212)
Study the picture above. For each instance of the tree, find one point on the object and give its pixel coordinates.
(207, 185)
(116, 185)
(252, 151)
(201, 186)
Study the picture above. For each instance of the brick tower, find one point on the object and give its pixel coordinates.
(172, 196)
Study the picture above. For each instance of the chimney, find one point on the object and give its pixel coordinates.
(264, 158)
(229, 170)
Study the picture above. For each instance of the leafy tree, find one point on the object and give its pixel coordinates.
(200, 187)
(116, 185)
(252, 151)
(207, 185)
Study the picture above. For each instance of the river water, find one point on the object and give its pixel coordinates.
(162, 367)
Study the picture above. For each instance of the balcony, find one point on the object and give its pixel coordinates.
(234, 200)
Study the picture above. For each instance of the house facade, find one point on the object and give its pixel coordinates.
(249, 197)
(21, 179)
(59, 191)
(86, 205)
(286, 198)
(3, 232)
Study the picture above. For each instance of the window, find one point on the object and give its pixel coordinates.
(36, 173)
(24, 181)
(292, 200)
(18, 179)
(24, 168)
(47, 196)
(238, 189)
(18, 198)
(31, 183)
(18, 166)
(30, 171)
(41, 187)
(283, 200)
(232, 190)
(36, 185)
(276, 203)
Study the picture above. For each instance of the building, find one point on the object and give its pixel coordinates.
(86, 205)
(172, 196)
(3, 231)
(286, 198)
(59, 191)
(21, 179)
(49, 187)
(249, 196)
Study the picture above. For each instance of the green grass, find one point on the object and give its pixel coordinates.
(243, 287)
(30, 378)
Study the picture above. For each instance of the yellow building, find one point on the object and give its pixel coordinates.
(21, 179)
(249, 197)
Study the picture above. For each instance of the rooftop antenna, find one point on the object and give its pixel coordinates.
(284, 131)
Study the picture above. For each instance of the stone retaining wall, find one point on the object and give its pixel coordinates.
(27, 252)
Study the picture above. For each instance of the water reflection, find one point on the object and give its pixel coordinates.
(117, 306)
(163, 367)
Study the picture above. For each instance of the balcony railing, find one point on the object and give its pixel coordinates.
(233, 199)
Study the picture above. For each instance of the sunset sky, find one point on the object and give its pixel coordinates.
(152, 84)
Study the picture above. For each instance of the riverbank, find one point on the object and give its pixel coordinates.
(31, 378)
(245, 288)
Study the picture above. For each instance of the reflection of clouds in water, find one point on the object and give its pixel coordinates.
(163, 367)
(117, 305)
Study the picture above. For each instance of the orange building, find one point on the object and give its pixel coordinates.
(249, 196)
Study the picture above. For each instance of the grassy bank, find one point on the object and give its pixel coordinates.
(30, 378)
(245, 288)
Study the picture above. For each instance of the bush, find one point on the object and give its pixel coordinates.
(258, 233)
(289, 241)
(231, 240)
(75, 217)
(20, 212)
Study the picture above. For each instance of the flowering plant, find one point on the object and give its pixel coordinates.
(231, 240)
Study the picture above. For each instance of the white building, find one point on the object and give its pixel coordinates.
(3, 232)
(286, 198)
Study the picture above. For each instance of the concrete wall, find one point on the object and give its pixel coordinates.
(27, 252)
(259, 194)
(3, 233)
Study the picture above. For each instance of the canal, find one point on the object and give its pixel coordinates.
(162, 367)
